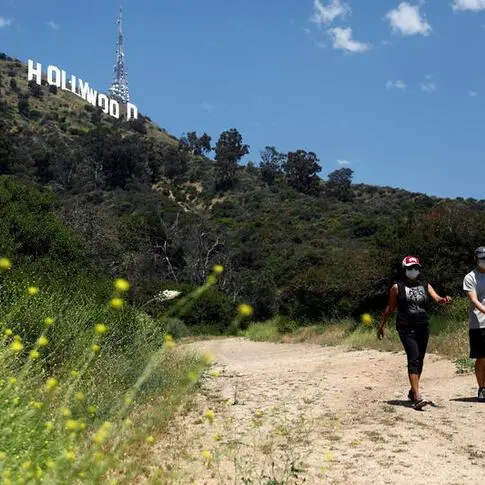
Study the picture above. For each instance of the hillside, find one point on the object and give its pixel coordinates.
(148, 208)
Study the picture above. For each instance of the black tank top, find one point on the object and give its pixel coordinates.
(413, 301)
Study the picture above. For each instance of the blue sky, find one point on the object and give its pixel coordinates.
(394, 90)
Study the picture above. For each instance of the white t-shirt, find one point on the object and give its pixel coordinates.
(475, 281)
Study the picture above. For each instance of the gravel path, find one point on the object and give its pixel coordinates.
(303, 413)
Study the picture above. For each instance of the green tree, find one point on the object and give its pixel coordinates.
(174, 162)
(229, 151)
(339, 184)
(271, 164)
(301, 169)
(197, 146)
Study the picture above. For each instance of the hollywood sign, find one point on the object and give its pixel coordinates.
(57, 77)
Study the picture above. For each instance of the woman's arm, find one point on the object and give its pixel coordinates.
(391, 306)
(437, 298)
(472, 295)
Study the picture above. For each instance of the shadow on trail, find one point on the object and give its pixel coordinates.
(465, 399)
(400, 402)
(409, 404)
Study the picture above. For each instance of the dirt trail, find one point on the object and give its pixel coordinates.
(303, 413)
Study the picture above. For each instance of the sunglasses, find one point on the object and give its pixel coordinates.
(415, 266)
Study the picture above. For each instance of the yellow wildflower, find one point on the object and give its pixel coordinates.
(49, 425)
(169, 343)
(17, 346)
(66, 412)
(122, 285)
(34, 354)
(75, 373)
(207, 455)
(366, 319)
(72, 425)
(102, 432)
(42, 341)
(39, 473)
(8, 332)
(92, 410)
(36, 404)
(245, 310)
(208, 358)
(48, 321)
(214, 373)
(192, 376)
(116, 303)
(12, 380)
(218, 269)
(95, 348)
(26, 465)
(210, 415)
(32, 290)
(100, 328)
(99, 456)
(211, 280)
(70, 455)
(5, 264)
(79, 396)
(150, 440)
(328, 456)
(51, 383)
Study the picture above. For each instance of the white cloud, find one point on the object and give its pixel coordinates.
(472, 94)
(473, 5)
(53, 25)
(429, 87)
(327, 14)
(208, 107)
(399, 84)
(5, 22)
(342, 39)
(407, 20)
(344, 163)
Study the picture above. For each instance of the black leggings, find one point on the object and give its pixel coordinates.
(415, 341)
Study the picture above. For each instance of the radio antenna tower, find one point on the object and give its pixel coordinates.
(119, 86)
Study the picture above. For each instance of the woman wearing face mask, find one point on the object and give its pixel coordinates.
(411, 296)
(474, 285)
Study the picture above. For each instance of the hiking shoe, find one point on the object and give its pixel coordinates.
(419, 403)
(481, 394)
(411, 395)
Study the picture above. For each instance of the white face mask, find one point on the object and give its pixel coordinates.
(481, 263)
(412, 274)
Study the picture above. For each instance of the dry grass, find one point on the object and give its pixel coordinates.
(452, 342)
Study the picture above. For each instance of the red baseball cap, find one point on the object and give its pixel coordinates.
(410, 261)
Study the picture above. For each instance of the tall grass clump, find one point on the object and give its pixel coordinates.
(75, 374)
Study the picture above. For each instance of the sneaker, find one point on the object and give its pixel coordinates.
(481, 394)
(411, 395)
(419, 403)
